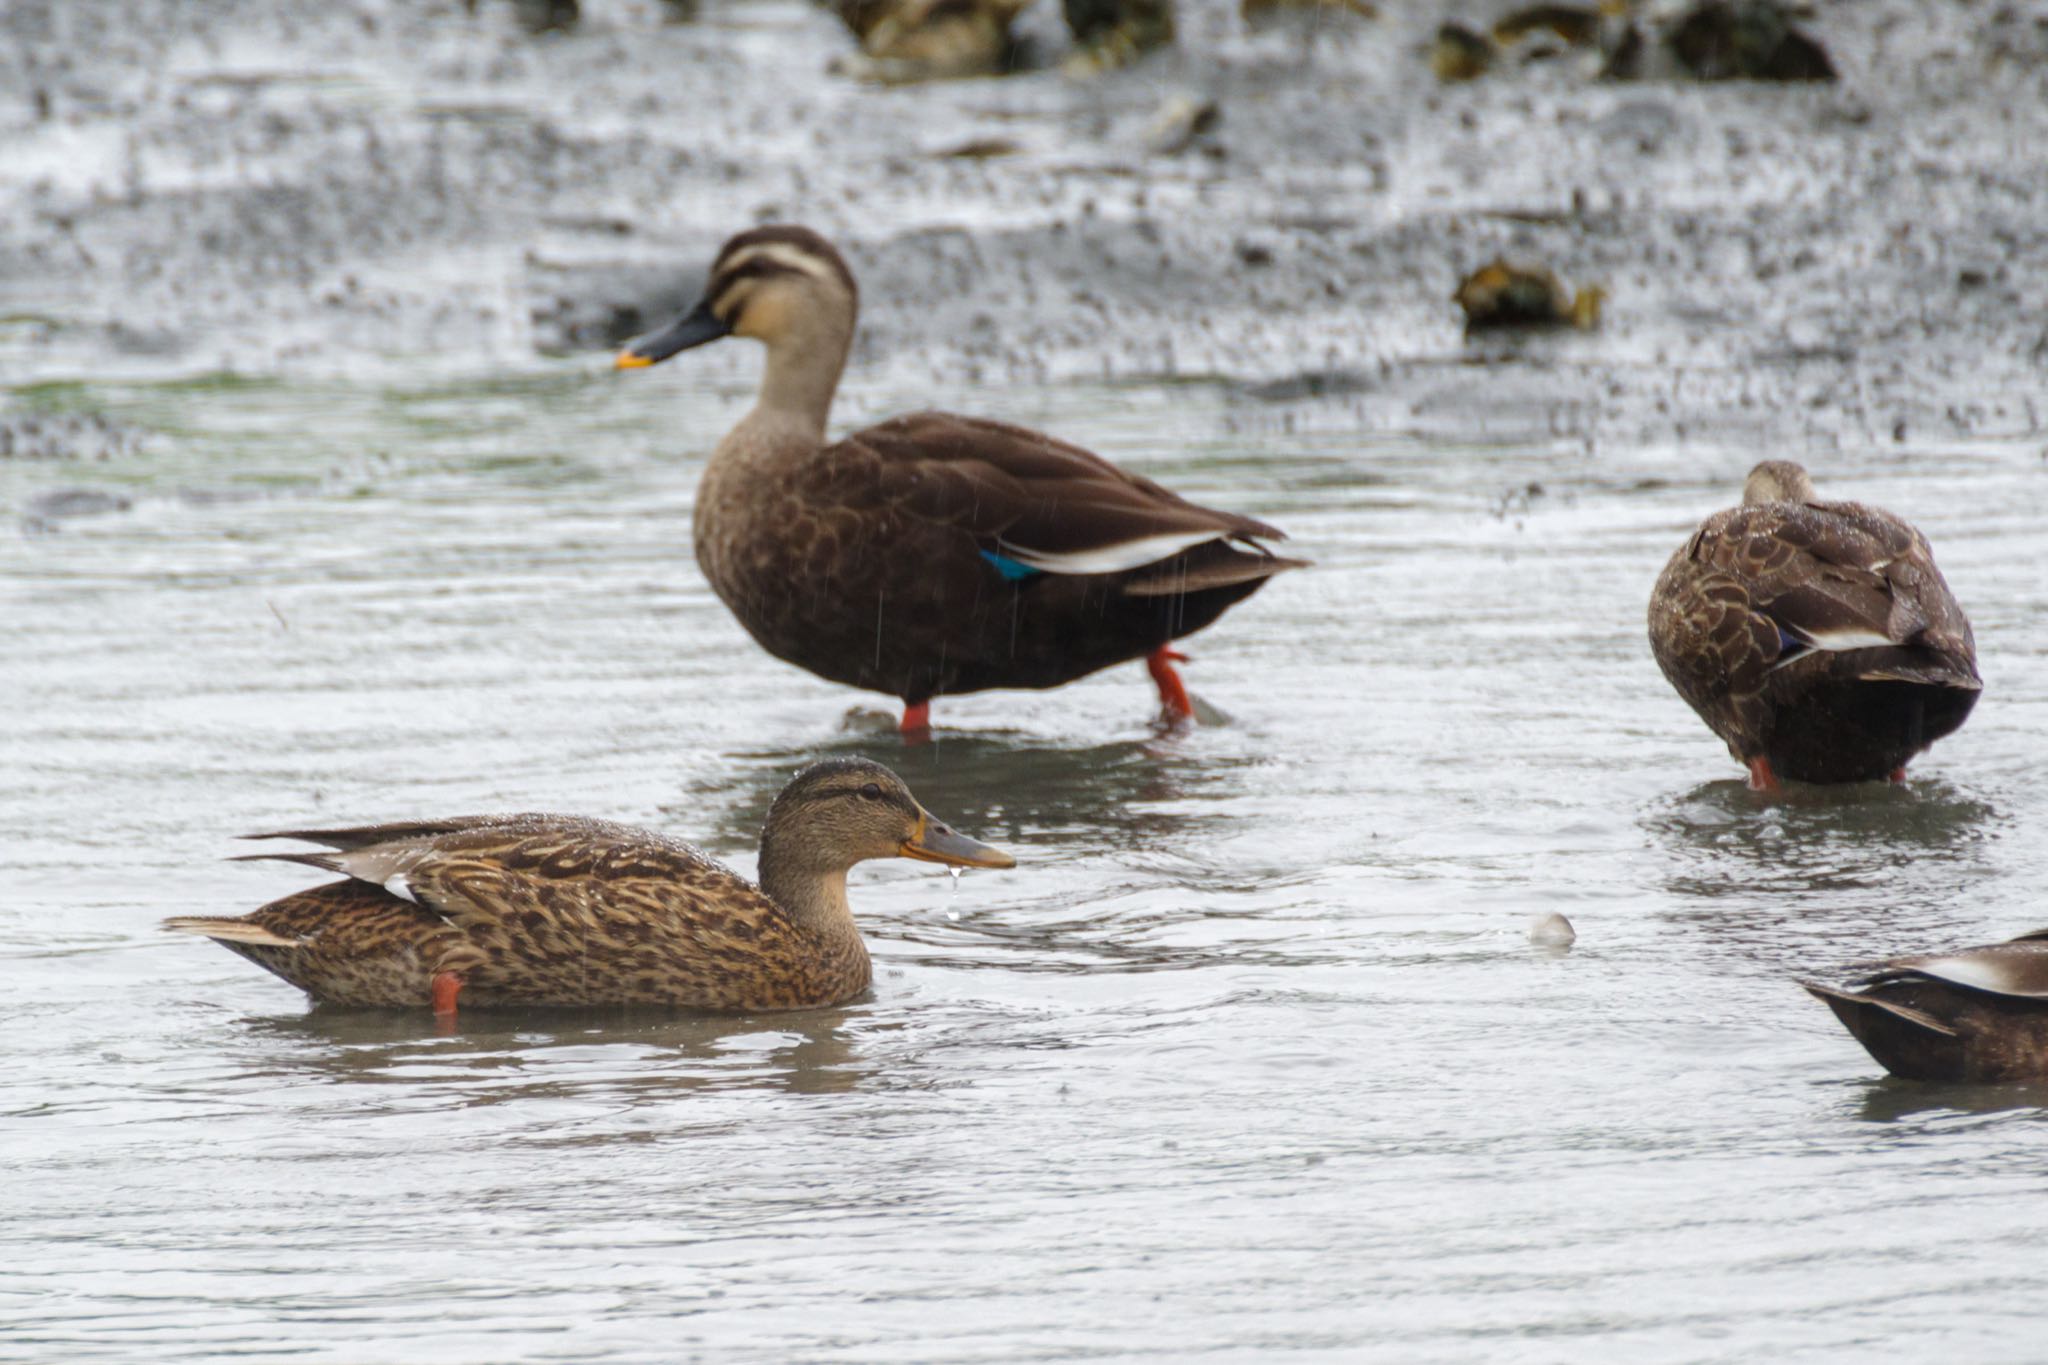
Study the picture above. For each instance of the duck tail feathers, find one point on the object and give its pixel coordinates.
(228, 930)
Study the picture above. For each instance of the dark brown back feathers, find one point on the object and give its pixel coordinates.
(1819, 634)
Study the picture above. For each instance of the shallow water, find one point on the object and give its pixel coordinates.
(1251, 1054)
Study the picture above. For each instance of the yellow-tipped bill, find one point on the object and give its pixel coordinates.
(694, 328)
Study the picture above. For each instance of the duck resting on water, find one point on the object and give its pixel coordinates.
(563, 910)
(1817, 639)
(1977, 1014)
(933, 554)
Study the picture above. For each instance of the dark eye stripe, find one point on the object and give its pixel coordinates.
(753, 268)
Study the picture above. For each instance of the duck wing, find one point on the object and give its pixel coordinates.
(1842, 576)
(1763, 586)
(1040, 504)
(543, 874)
(2018, 968)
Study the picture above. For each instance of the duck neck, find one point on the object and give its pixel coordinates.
(801, 376)
(813, 896)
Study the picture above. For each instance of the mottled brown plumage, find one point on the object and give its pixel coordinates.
(1980, 1014)
(561, 910)
(1817, 639)
(932, 554)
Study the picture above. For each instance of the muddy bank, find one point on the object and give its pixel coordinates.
(365, 187)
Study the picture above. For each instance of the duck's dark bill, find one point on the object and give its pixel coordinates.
(934, 843)
(693, 329)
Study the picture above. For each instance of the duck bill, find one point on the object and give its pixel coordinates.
(935, 842)
(694, 328)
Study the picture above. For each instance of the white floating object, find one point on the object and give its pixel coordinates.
(1552, 931)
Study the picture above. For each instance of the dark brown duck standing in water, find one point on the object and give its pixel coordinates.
(560, 910)
(932, 554)
(1816, 638)
(1980, 1014)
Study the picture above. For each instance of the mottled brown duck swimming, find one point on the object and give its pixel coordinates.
(561, 910)
(932, 554)
(1980, 1014)
(1817, 639)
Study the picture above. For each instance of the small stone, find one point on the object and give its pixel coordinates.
(1552, 931)
(1180, 121)
(1459, 53)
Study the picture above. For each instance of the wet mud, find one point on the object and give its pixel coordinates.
(278, 190)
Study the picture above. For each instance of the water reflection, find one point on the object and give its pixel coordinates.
(502, 1055)
(1891, 1100)
(1726, 840)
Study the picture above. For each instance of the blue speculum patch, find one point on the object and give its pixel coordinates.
(1010, 569)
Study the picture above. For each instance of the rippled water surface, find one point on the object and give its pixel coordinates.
(1251, 1054)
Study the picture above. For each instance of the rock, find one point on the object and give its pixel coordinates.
(1460, 53)
(1503, 295)
(1552, 931)
(904, 41)
(44, 512)
(982, 148)
(1746, 40)
(1181, 120)
(1578, 25)
(1113, 33)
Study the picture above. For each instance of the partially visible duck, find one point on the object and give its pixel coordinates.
(1980, 1014)
(1817, 639)
(932, 554)
(562, 910)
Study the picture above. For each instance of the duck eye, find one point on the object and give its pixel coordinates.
(871, 792)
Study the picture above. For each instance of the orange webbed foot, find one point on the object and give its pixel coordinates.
(447, 985)
(1175, 704)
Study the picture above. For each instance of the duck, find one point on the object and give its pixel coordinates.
(932, 554)
(1817, 639)
(1977, 1014)
(563, 910)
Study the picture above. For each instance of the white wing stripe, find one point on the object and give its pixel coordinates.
(1846, 638)
(1129, 554)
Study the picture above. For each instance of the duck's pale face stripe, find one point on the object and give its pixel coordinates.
(743, 274)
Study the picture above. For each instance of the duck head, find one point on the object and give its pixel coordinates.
(779, 285)
(1778, 481)
(787, 288)
(846, 810)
